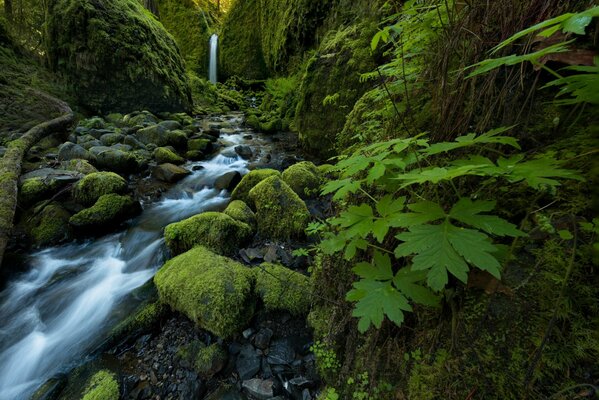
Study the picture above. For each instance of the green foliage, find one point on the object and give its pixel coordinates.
(438, 236)
(326, 358)
(582, 86)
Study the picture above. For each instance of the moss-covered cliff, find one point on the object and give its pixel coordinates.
(116, 56)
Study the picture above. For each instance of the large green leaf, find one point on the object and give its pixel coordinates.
(490, 137)
(375, 300)
(411, 284)
(469, 213)
(536, 173)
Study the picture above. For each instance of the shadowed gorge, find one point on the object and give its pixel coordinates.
(299, 200)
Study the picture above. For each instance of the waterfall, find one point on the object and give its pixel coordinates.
(212, 73)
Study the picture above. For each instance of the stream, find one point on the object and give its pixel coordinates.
(54, 314)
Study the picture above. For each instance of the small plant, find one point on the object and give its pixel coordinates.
(326, 358)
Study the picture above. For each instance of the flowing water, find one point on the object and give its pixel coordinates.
(212, 71)
(54, 314)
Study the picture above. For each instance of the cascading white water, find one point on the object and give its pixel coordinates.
(53, 315)
(212, 71)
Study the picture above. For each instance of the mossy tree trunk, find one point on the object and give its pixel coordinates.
(11, 166)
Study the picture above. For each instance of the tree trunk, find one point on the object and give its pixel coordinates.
(8, 9)
(10, 170)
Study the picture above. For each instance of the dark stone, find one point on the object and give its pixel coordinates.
(248, 363)
(258, 388)
(51, 389)
(281, 353)
(69, 151)
(170, 125)
(262, 338)
(244, 151)
(170, 173)
(228, 181)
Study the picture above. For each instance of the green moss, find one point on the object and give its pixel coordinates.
(89, 189)
(280, 213)
(78, 165)
(217, 231)
(211, 290)
(102, 386)
(240, 211)
(165, 155)
(303, 178)
(202, 145)
(110, 209)
(49, 225)
(333, 73)
(36, 189)
(124, 59)
(283, 289)
(143, 320)
(210, 360)
(190, 22)
(93, 123)
(242, 190)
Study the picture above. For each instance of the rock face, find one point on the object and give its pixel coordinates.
(280, 213)
(217, 231)
(211, 290)
(117, 56)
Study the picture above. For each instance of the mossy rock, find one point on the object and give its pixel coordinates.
(165, 155)
(49, 225)
(203, 145)
(211, 290)
(114, 159)
(93, 186)
(303, 178)
(217, 231)
(251, 179)
(36, 189)
(283, 289)
(280, 212)
(102, 386)
(93, 123)
(207, 361)
(116, 56)
(240, 211)
(107, 213)
(79, 165)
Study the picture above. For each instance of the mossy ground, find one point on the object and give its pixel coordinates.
(217, 231)
(213, 291)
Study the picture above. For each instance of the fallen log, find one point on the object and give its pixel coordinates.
(11, 166)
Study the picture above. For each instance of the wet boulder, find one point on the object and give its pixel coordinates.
(170, 125)
(108, 139)
(227, 181)
(248, 182)
(69, 151)
(169, 173)
(280, 212)
(143, 118)
(282, 289)
(211, 290)
(44, 183)
(244, 152)
(114, 159)
(203, 145)
(124, 59)
(240, 211)
(48, 224)
(160, 136)
(107, 213)
(207, 361)
(165, 155)
(81, 166)
(93, 186)
(303, 178)
(216, 231)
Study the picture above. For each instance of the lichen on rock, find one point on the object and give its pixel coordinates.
(211, 290)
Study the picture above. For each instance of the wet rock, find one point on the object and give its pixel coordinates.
(51, 389)
(262, 338)
(170, 125)
(247, 333)
(106, 214)
(91, 143)
(203, 145)
(164, 155)
(109, 139)
(133, 142)
(89, 189)
(281, 353)
(258, 388)
(195, 155)
(251, 255)
(244, 151)
(113, 159)
(228, 181)
(69, 151)
(169, 173)
(248, 363)
(48, 225)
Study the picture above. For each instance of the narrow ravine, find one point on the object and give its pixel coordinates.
(70, 296)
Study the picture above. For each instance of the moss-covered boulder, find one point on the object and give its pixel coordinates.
(211, 290)
(240, 211)
(102, 386)
(303, 178)
(206, 360)
(106, 214)
(216, 231)
(35, 189)
(79, 165)
(48, 225)
(160, 136)
(333, 73)
(283, 289)
(165, 155)
(116, 56)
(251, 179)
(114, 159)
(202, 145)
(169, 173)
(280, 212)
(93, 186)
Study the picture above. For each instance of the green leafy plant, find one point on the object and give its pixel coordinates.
(412, 237)
(582, 86)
